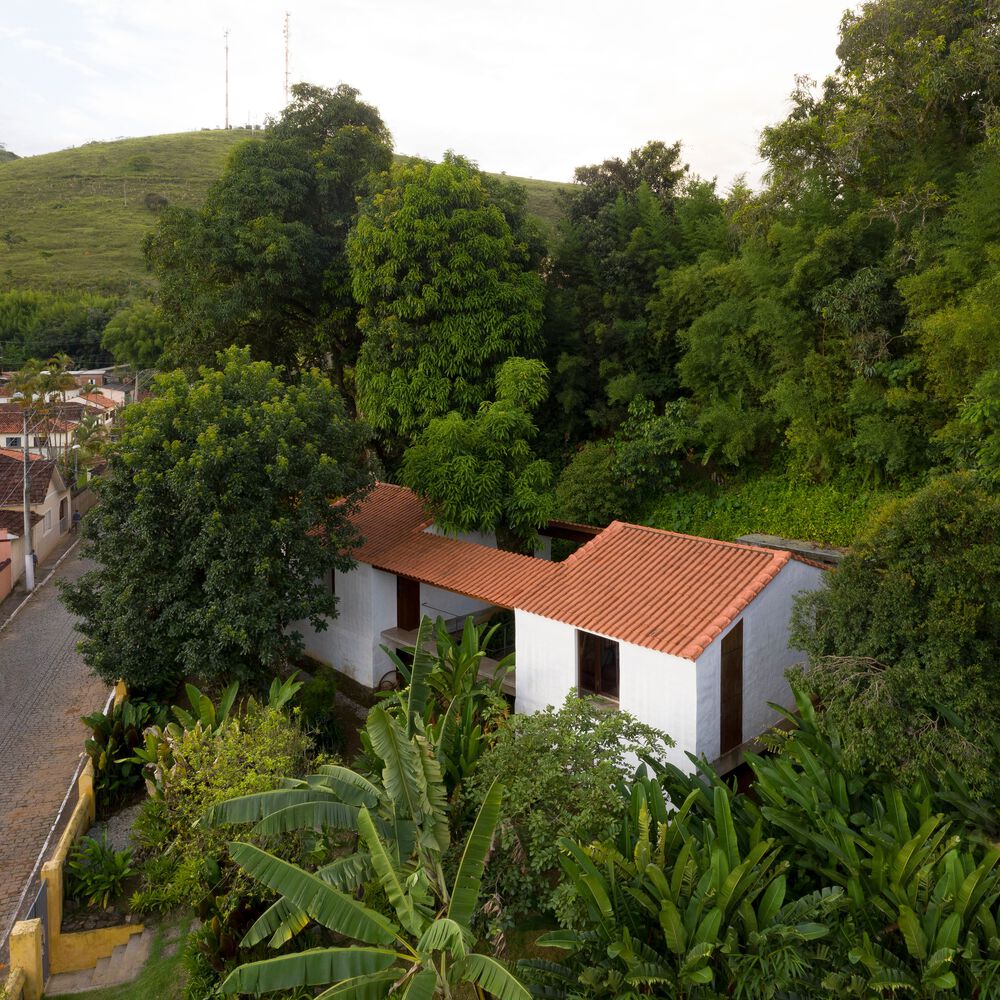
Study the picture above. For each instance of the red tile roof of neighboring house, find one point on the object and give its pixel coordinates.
(392, 521)
(670, 592)
(96, 399)
(12, 479)
(13, 521)
(18, 455)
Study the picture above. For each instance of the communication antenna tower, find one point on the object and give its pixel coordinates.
(225, 35)
(287, 16)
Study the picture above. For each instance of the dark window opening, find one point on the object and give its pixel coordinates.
(597, 662)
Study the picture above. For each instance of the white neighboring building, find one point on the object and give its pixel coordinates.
(690, 635)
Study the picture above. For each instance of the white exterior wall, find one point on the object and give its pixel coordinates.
(660, 690)
(343, 643)
(656, 688)
(545, 666)
(766, 657)
(366, 606)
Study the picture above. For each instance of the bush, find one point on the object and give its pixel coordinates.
(904, 638)
(777, 503)
(561, 770)
(111, 748)
(590, 489)
(95, 873)
(248, 755)
(316, 702)
(155, 202)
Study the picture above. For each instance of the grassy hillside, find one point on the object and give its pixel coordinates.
(75, 219)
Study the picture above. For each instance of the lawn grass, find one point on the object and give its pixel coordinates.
(162, 978)
(75, 219)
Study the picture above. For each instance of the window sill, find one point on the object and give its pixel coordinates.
(603, 702)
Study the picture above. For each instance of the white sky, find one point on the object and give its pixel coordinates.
(531, 87)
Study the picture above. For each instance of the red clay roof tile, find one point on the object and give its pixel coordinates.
(670, 592)
(666, 591)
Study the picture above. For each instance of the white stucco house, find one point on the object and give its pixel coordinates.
(687, 634)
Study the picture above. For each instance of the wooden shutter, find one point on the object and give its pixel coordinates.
(587, 661)
(407, 603)
(731, 721)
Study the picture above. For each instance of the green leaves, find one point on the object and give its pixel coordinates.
(326, 905)
(215, 529)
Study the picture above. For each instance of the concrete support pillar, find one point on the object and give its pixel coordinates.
(26, 954)
(85, 789)
(52, 875)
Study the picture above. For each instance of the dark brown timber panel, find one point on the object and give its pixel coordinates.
(407, 603)
(732, 689)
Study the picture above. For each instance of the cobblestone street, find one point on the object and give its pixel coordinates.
(44, 689)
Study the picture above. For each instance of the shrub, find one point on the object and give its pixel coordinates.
(111, 749)
(248, 755)
(778, 503)
(562, 770)
(155, 202)
(590, 489)
(318, 711)
(95, 873)
(904, 638)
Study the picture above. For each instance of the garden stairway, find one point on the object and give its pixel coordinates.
(122, 966)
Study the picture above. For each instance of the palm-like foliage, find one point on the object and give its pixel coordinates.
(446, 699)
(824, 882)
(424, 948)
(686, 916)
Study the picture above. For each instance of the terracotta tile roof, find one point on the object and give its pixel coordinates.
(13, 521)
(392, 521)
(18, 455)
(659, 589)
(12, 477)
(95, 399)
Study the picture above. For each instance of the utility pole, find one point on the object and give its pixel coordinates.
(29, 543)
(225, 35)
(287, 16)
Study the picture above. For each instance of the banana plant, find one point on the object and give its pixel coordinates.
(424, 950)
(683, 916)
(454, 707)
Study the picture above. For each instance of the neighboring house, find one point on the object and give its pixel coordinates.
(688, 634)
(52, 437)
(100, 400)
(6, 559)
(51, 504)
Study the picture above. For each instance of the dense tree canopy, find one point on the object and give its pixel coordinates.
(444, 266)
(904, 638)
(480, 472)
(215, 529)
(262, 263)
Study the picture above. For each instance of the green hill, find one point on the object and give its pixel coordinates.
(75, 219)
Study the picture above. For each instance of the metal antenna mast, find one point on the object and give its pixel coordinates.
(226, 36)
(286, 55)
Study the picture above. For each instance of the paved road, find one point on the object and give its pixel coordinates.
(44, 689)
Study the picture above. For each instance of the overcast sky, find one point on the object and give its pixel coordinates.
(531, 87)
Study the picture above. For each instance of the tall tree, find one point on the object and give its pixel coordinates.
(444, 265)
(479, 472)
(215, 528)
(262, 263)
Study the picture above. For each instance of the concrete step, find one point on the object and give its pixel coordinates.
(122, 966)
(70, 982)
(106, 967)
(116, 966)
